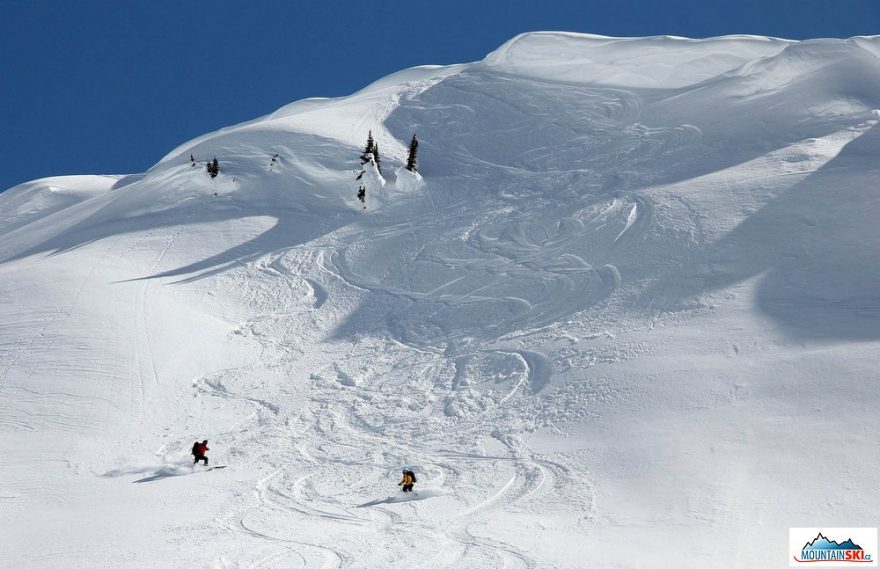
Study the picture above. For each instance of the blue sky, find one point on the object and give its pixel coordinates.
(93, 86)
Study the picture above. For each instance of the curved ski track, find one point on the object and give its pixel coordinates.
(361, 423)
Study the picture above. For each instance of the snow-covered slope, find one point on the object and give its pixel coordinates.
(630, 319)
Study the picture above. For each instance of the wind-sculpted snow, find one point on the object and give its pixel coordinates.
(35, 200)
(635, 278)
(663, 62)
(817, 283)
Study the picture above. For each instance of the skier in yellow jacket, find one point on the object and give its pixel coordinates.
(409, 478)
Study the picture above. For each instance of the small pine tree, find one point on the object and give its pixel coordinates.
(213, 168)
(368, 149)
(411, 160)
(376, 157)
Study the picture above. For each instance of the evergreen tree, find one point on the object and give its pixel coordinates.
(376, 157)
(411, 160)
(368, 149)
(213, 168)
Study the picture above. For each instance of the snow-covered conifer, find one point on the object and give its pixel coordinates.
(368, 149)
(376, 157)
(411, 160)
(370, 178)
(213, 168)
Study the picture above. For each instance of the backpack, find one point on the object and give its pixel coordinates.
(413, 475)
(195, 449)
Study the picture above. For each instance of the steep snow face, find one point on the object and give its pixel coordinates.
(637, 277)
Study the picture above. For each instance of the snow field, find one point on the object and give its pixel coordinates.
(630, 311)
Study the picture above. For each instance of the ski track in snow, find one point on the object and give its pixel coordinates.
(293, 495)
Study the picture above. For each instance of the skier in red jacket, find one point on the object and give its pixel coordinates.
(199, 450)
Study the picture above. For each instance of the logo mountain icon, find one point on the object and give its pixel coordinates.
(822, 542)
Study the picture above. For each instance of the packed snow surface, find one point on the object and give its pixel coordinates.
(627, 316)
